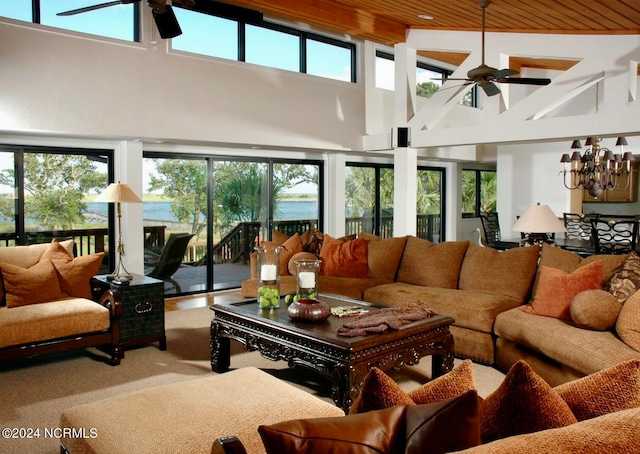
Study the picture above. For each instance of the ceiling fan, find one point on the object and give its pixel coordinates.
(166, 19)
(485, 76)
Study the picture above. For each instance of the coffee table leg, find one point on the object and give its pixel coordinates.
(443, 363)
(220, 350)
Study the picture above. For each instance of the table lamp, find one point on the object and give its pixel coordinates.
(538, 220)
(119, 193)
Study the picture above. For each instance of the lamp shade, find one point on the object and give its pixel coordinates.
(539, 219)
(118, 193)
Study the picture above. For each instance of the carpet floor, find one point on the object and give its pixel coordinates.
(34, 392)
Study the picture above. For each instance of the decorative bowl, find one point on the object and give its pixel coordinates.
(309, 310)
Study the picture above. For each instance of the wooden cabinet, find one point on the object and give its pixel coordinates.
(630, 194)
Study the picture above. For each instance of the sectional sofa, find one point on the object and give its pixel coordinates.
(484, 290)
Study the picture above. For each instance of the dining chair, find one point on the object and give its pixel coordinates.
(578, 225)
(490, 227)
(615, 236)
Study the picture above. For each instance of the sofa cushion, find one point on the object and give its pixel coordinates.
(50, 320)
(607, 391)
(509, 273)
(625, 279)
(523, 403)
(470, 309)
(628, 323)
(592, 436)
(33, 285)
(595, 309)
(380, 391)
(556, 289)
(436, 428)
(580, 350)
(384, 255)
(430, 264)
(344, 258)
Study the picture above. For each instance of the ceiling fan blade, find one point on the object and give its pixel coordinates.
(524, 81)
(491, 89)
(226, 10)
(95, 7)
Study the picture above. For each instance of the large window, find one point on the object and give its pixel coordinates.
(118, 21)
(479, 192)
(369, 201)
(429, 78)
(228, 206)
(48, 193)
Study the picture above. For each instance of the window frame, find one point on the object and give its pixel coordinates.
(478, 192)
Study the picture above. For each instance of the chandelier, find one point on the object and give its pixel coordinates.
(598, 168)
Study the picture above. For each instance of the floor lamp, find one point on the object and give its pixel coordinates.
(119, 193)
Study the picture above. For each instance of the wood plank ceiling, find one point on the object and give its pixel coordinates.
(386, 21)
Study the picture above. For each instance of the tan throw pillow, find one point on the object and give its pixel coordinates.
(628, 323)
(556, 289)
(299, 256)
(384, 256)
(430, 264)
(595, 309)
(37, 284)
(607, 391)
(346, 259)
(523, 403)
(506, 273)
(625, 279)
(381, 391)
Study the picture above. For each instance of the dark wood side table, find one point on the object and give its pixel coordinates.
(142, 319)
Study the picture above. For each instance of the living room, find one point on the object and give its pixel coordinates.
(73, 90)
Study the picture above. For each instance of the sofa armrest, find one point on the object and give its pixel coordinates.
(112, 300)
(228, 445)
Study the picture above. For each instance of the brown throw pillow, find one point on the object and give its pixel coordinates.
(430, 264)
(442, 427)
(299, 256)
(625, 279)
(346, 259)
(56, 251)
(374, 431)
(436, 428)
(278, 237)
(606, 391)
(290, 247)
(628, 324)
(75, 275)
(595, 309)
(37, 284)
(381, 391)
(556, 289)
(523, 403)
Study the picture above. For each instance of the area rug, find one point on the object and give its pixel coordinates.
(34, 392)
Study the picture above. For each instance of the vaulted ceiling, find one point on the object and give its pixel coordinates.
(386, 21)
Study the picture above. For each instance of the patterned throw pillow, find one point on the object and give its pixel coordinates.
(523, 403)
(381, 391)
(606, 391)
(625, 279)
(628, 323)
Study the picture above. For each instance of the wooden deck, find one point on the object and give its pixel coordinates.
(191, 279)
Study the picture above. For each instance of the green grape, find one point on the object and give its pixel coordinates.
(264, 302)
(288, 299)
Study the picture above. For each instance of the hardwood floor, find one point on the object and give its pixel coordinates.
(193, 301)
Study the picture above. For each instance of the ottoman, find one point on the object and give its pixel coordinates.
(189, 416)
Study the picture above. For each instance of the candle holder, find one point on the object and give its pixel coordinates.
(268, 277)
(307, 279)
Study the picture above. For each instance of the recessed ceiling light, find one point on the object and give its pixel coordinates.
(425, 17)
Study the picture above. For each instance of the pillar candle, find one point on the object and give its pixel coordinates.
(268, 272)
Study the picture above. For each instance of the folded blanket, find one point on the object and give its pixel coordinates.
(382, 320)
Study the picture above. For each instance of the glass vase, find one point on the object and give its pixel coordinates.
(307, 279)
(268, 277)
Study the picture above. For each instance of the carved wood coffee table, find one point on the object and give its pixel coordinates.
(345, 361)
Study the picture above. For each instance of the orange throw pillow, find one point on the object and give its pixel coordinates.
(346, 259)
(37, 284)
(556, 289)
(75, 275)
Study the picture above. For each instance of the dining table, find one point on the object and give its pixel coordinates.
(582, 247)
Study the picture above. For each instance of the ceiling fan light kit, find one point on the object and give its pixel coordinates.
(166, 22)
